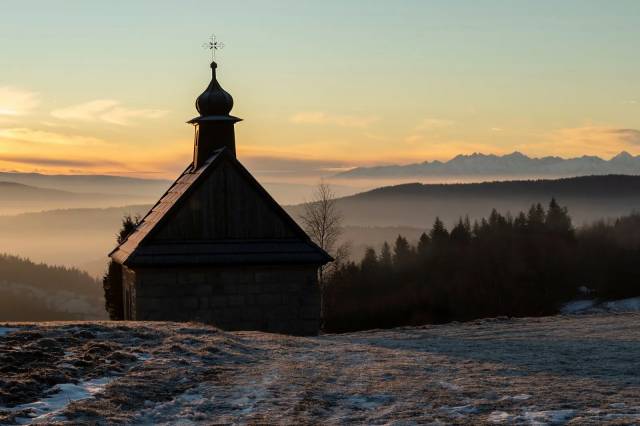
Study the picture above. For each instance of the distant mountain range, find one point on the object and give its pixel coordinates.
(514, 164)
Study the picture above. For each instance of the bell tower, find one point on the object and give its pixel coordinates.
(214, 127)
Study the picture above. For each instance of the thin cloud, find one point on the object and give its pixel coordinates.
(630, 136)
(323, 118)
(15, 102)
(105, 110)
(57, 162)
(271, 165)
(21, 134)
(598, 136)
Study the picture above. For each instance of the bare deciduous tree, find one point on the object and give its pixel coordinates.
(322, 220)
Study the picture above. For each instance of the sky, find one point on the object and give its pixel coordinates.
(106, 87)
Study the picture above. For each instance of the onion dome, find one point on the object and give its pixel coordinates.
(214, 100)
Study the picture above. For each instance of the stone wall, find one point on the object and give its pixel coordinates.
(274, 299)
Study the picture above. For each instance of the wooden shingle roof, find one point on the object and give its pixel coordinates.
(158, 241)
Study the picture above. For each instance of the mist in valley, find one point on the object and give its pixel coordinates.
(54, 225)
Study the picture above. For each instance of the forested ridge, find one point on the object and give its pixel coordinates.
(523, 265)
(32, 291)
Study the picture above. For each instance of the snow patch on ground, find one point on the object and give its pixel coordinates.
(460, 411)
(519, 397)
(577, 306)
(551, 370)
(593, 306)
(451, 386)
(545, 417)
(499, 417)
(6, 330)
(548, 416)
(624, 305)
(60, 396)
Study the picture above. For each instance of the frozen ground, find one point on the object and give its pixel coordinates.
(592, 306)
(557, 370)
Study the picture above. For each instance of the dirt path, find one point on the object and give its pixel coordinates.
(556, 370)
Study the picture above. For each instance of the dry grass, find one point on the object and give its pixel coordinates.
(575, 370)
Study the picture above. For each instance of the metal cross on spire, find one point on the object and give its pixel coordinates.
(213, 44)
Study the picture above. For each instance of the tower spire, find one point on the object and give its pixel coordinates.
(214, 127)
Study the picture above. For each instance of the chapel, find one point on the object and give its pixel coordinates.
(216, 247)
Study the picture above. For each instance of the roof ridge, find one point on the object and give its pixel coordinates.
(180, 189)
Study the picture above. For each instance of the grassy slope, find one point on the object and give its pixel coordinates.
(581, 369)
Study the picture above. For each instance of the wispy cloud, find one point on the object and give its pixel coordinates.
(106, 110)
(14, 101)
(630, 136)
(22, 134)
(317, 117)
(289, 165)
(591, 136)
(58, 162)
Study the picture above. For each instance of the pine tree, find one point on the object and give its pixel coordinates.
(423, 245)
(536, 218)
(386, 260)
(369, 262)
(461, 233)
(558, 220)
(402, 252)
(439, 233)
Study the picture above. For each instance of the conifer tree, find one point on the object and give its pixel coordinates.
(461, 233)
(438, 233)
(423, 245)
(386, 260)
(558, 220)
(401, 251)
(112, 279)
(369, 262)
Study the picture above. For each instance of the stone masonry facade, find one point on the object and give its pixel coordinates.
(280, 300)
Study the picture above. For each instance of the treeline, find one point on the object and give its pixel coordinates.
(523, 265)
(15, 269)
(38, 292)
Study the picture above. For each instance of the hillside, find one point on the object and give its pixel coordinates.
(72, 237)
(106, 184)
(20, 198)
(128, 190)
(511, 165)
(83, 237)
(38, 292)
(498, 371)
(588, 198)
